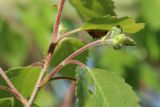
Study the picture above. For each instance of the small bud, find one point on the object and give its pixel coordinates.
(121, 40)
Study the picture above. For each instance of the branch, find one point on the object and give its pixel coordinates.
(69, 58)
(68, 34)
(55, 29)
(49, 56)
(12, 88)
(64, 78)
(59, 67)
(43, 83)
(6, 89)
(69, 97)
(10, 91)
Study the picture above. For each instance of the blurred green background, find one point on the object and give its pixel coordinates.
(26, 28)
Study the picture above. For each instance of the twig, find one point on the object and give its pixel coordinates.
(64, 78)
(10, 91)
(59, 67)
(68, 34)
(69, 58)
(49, 56)
(69, 97)
(58, 18)
(6, 89)
(13, 89)
(43, 83)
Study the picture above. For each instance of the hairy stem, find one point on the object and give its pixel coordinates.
(13, 89)
(49, 56)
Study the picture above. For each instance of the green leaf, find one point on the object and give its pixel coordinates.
(23, 78)
(7, 102)
(100, 88)
(66, 48)
(49, 98)
(88, 9)
(106, 23)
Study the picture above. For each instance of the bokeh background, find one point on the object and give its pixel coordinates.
(26, 28)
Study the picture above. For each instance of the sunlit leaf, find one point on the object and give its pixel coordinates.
(106, 23)
(88, 9)
(23, 78)
(101, 88)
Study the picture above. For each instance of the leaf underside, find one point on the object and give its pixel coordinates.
(106, 23)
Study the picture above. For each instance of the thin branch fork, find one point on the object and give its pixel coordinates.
(49, 56)
(59, 67)
(55, 29)
(69, 58)
(68, 34)
(12, 89)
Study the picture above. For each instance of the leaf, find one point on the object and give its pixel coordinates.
(7, 102)
(100, 88)
(106, 23)
(88, 9)
(23, 78)
(49, 98)
(64, 49)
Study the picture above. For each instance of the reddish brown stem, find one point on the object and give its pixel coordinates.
(69, 58)
(54, 35)
(10, 91)
(68, 34)
(43, 83)
(13, 89)
(59, 67)
(49, 56)
(63, 78)
(69, 97)
(98, 42)
(6, 89)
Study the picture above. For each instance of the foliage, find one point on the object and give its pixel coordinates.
(92, 91)
(65, 48)
(26, 37)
